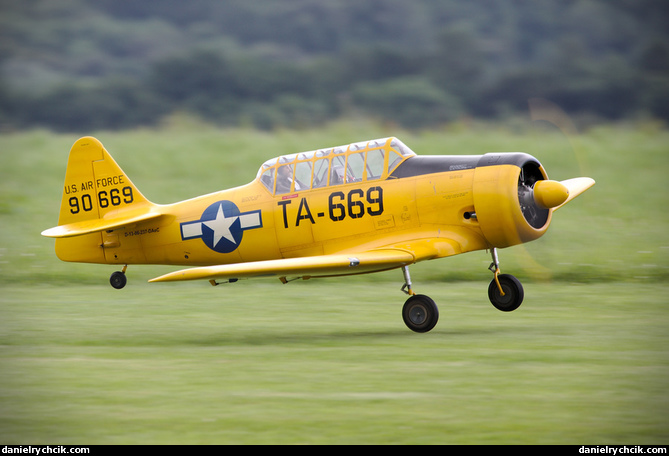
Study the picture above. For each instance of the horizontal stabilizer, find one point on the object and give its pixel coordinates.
(97, 225)
(305, 267)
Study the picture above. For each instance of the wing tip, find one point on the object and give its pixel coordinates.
(56, 232)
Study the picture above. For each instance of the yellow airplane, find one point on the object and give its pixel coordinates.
(361, 208)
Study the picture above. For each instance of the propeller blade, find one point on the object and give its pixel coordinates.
(576, 186)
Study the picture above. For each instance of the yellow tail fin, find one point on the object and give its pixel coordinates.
(97, 196)
(94, 184)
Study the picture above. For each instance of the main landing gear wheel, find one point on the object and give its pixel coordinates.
(118, 279)
(513, 293)
(420, 313)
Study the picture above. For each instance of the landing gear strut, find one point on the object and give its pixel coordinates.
(118, 278)
(421, 314)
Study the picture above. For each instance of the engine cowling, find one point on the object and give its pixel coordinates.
(513, 198)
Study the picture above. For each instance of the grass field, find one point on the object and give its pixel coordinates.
(585, 360)
(330, 363)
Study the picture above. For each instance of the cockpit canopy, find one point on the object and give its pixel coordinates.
(358, 162)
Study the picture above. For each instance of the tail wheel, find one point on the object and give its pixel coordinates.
(513, 293)
(420, 313)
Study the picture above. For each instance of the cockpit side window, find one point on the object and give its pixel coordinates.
(338, 170)
(375, 164)
(284, 179)
(267, 178)
(303, 176)
(355, 167)
(321, 169)
(393, 160)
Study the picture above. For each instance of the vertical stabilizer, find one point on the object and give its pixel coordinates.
(96, 195)
(94, 184)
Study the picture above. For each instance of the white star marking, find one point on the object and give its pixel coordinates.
(221, 226)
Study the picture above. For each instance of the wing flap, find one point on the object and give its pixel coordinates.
(104, 224)
(317, 266)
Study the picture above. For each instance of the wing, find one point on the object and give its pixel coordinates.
(323, 265)
(305, 267)
(127, 218)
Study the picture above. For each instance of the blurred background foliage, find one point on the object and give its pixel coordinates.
(82, 65)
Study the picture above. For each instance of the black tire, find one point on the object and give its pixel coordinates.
(513, 293)
(420, 313)
(118, 280)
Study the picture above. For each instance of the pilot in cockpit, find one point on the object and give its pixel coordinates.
(284, 179)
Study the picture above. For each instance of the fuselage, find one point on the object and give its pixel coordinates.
(361, 197)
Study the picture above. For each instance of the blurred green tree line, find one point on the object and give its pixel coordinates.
(80, 65)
